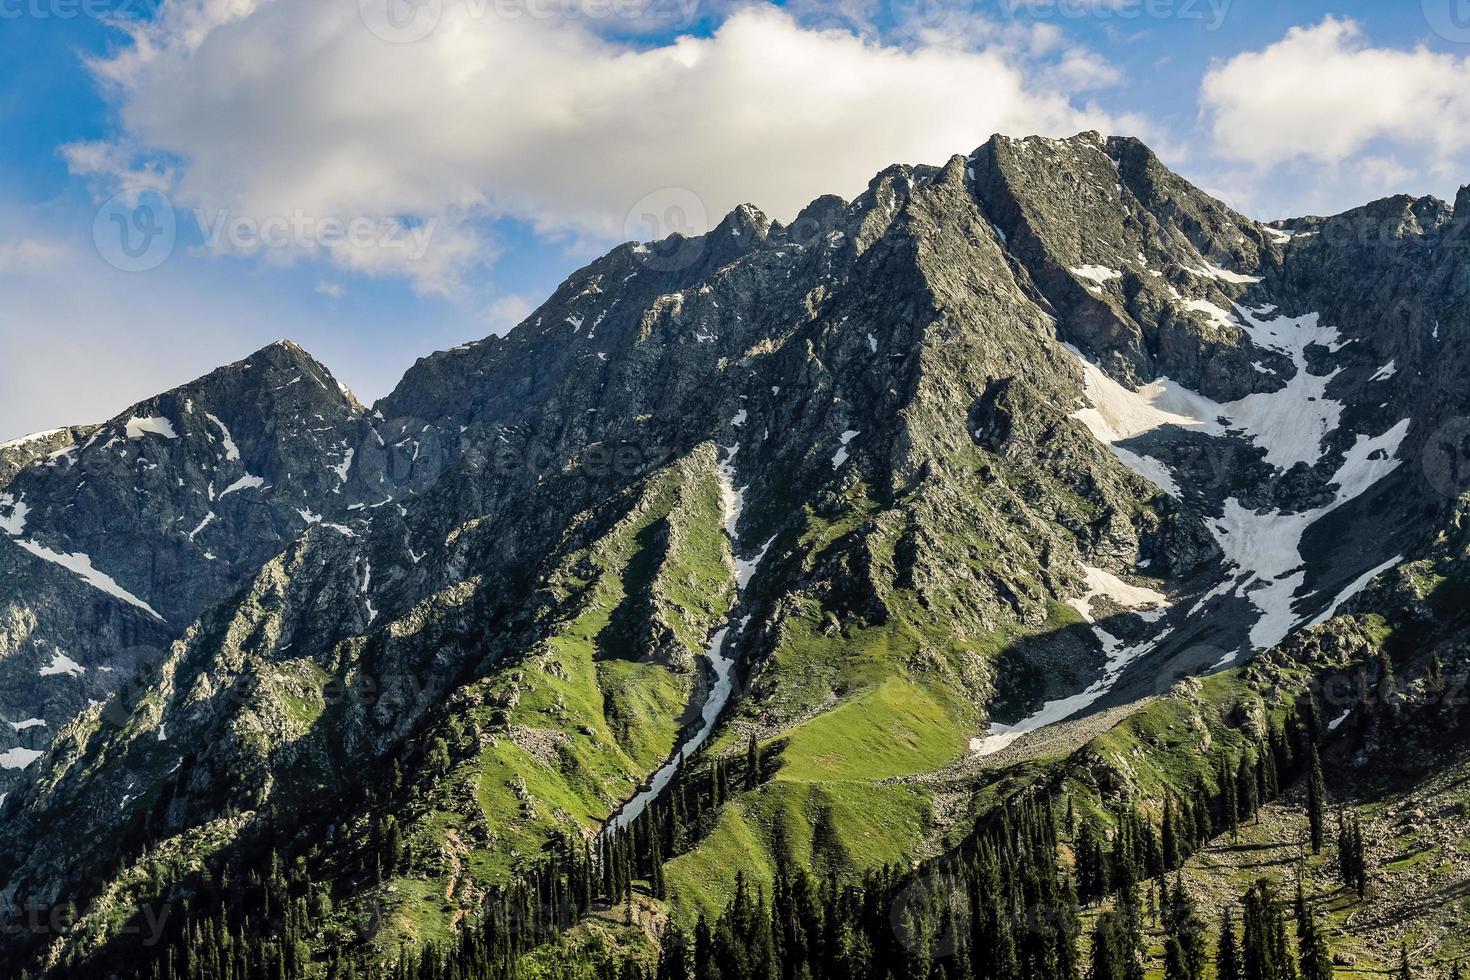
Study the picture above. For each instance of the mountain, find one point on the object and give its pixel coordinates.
(118, 536)
(921, 502)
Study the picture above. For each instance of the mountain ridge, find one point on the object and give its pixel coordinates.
(975, 451)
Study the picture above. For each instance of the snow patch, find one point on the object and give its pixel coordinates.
(1387, 371)
(145, 425)
(62, 664)
(1212, 271)
(1265, 548)
(1220, 317)
(202, 525)
(81, 565)
(246, 482)
(13, 523)
(1118, 414)
(840, 457)
(1357, 585)
(1102, 583)
(1097, 273)
(18, 758)
(232, 451)
(33, 437)
(343, 467)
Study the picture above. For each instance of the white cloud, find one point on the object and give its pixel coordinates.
(507, 312)
(332, 289)
(29, 255)
(268, 108)
(1384, 175)
(1324, 94)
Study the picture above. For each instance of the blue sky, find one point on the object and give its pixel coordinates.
(376, 192)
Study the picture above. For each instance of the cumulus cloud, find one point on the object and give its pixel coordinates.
(1323, 93)
(261, 109)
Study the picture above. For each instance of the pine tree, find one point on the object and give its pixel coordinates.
(1264, 950)
(1312, 953)
(656, 886)
(1130, 914)
(1112, 955)
(1436, 689)
(1227, 950)
(752, 765)
(1351, 862)
(1316, 800)
(1246, 789)
(1092, 873)
(1170, 835)
(1184, 942)
(1387, 683)
(1229, 806)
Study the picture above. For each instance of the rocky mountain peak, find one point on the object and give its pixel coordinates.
(121, 535)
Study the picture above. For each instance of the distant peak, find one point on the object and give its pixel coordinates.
(284, 352)
(747, 220)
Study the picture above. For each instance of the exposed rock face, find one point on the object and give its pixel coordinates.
(1043, 420)
(118, 536)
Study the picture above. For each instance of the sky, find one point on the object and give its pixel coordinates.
(185, 181)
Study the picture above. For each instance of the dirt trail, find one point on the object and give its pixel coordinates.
(453, 846)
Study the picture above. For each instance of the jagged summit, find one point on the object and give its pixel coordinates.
(119, 535)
